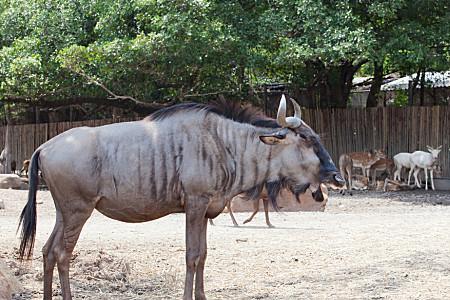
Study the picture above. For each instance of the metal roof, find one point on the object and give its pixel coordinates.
(432, 79)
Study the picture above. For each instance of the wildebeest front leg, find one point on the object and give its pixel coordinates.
(266, 212)
(199, 284)
(196, 223)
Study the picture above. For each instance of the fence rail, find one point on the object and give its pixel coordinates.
(343, 130)
(392, 129)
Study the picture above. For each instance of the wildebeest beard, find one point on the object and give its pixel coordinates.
(274, 188)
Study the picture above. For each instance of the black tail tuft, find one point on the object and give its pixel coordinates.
(28, 215)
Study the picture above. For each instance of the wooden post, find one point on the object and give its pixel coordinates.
(6, 153)
(410, 93)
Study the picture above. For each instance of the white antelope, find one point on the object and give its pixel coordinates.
(426, 161)
(401, 160)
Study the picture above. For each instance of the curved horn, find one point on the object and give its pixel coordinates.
(297, 109)
(293, 122)
(281, 115)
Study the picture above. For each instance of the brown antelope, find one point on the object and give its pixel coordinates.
(364, 160)
(255, 203)
(346, 169)
(389, 185)
(25, 166)
(230, 211)
(360, 182)
(274, 190)
(382, 165)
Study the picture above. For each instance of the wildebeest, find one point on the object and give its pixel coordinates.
(187, 158)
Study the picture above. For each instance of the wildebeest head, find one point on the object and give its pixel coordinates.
(305, 161)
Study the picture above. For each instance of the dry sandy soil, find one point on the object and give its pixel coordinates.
(366, 246)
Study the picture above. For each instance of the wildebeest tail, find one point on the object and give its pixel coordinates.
(28, 215)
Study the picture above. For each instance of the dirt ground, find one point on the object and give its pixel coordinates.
(366, 246)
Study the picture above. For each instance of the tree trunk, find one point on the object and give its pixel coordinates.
(6, 152)
(338, 83)
(375, 88)
(422, 88)
(412, 87)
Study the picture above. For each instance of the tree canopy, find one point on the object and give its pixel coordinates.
(141, 54)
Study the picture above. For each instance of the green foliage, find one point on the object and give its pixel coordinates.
(401, 98)
(164, 50)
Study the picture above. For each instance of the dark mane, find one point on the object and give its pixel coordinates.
(242, 113)
(229, 109)
(169, 111)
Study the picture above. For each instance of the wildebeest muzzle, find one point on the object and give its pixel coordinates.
(333, 178)
(329, 174)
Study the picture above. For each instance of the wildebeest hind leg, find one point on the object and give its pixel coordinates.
(196, 223)
(49, 256)
(66, 238)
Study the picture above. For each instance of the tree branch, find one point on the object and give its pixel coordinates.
(110, 93)
(145, 107)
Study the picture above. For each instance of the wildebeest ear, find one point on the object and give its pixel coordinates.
(273, 139)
